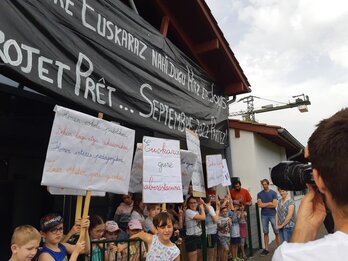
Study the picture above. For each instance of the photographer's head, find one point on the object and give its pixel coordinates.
(328, 153)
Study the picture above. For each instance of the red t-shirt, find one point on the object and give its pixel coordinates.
(243, 195)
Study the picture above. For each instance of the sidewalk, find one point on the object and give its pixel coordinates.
(273, 246)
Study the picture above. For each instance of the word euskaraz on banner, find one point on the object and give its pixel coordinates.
(91, 85)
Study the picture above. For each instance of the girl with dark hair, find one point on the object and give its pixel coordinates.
(193, 220)
(138, 209)
(96, 232)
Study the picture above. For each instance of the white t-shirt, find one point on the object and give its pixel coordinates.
(148, 224)
(160, 252)
(331, 247)
(210, 227)
(138, 216)
(193, 227)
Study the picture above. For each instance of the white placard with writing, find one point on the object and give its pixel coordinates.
(73, 192)
(188, 162)
(214, 170)
(193, 144)
(161, 171)
(225, 173)
(136, 178)
(88, 153)
(221, 191)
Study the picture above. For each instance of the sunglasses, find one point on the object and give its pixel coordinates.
(56, 230)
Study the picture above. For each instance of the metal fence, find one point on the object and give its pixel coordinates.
(117, 250)
(134, 250)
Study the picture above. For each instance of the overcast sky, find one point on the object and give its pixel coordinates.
(287, 48)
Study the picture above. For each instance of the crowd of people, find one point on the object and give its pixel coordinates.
(164, 235)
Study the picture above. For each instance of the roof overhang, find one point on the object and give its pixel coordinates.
(274, 134)
(191, 26)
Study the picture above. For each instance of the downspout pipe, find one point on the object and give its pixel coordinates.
(234, 97)
(296, 154)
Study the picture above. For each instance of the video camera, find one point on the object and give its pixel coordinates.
(292, 175)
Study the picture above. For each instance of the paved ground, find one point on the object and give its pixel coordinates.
(272, 248)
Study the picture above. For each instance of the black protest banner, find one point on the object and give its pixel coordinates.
(101, 55)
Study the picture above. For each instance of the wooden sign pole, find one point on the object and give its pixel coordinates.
(78, 211)
(87, 201)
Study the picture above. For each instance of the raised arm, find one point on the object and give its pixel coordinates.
(74, 230)
(310, 217)
(200, 216)
(146, 237)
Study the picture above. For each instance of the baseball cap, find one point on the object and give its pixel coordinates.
(111, 226)
(50, 221)
(134, 224)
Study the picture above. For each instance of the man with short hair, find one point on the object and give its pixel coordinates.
(240, 194)
(267, 201)
(328, 153)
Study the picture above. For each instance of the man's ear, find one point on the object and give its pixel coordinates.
(319, 181)
(306, 152)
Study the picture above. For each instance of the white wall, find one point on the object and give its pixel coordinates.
(252, 158)
(243, 159)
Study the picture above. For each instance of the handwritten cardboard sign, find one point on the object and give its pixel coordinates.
(188, 162)
(88, 153)
(221, 191)
(214, 170)
(136, 177)
(161, 171)
(73, 192)
(225, 174)
(193, 144)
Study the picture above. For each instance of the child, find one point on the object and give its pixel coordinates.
(96, 232)
(113, 232)
(193, 220)
(243, 229)
(160, 247)
(138, 211)
(24, 243)
(52, 233)
(224, 230)
(211, 221)
(153, 210)
(235, 232)
(124, 210)
(137, 250)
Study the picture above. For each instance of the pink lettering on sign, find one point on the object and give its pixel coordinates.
(161, 187)
(83, 138)
(162, 150)
(116, 145)
(64, 132)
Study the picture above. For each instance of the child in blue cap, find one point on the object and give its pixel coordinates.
(52, 234)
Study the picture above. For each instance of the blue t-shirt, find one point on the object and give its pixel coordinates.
(57, 256)
(267, 197)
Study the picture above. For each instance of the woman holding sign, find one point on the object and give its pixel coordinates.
(193, 220)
